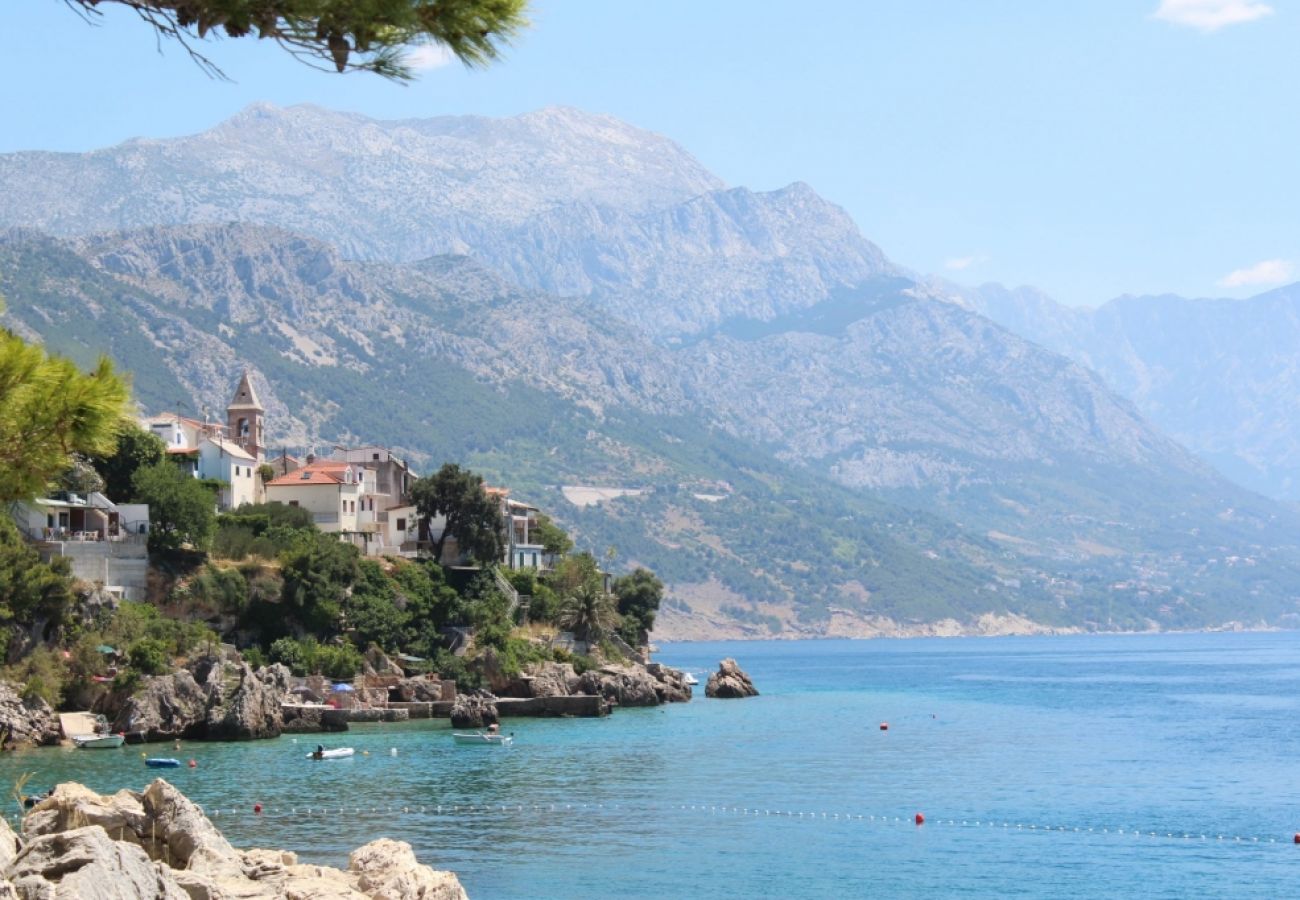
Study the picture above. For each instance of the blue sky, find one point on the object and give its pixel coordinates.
(1090, 149)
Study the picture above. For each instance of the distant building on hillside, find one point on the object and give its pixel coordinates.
(105, 542)
(229, 453)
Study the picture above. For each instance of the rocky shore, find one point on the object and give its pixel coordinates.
(219, 697)
(158, 845)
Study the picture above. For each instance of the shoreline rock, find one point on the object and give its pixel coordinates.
(213, 699)
(158, 845)
(729, 682)
(26, 721)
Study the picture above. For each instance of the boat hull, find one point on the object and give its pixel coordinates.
(489, 740)
(159, 762)
(98, 741)
(338, 753)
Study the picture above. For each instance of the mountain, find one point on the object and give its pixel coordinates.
(806, 439)
(1220, 376)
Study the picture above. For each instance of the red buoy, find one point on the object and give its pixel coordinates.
(194, 764)
(1297, 837)
(257, 807)
(920, 818)
(884, 726)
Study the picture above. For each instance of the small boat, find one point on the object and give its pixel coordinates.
(162, 762)
(482, 737)
(690, 679)
(336, 753)
(98, 741)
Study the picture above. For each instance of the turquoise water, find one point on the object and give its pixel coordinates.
(1172, 734)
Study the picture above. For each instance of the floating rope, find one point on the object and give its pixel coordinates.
(917, 820)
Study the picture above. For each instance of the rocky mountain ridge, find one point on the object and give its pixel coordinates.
(814, 440)
(883, 390)
(1220, 376)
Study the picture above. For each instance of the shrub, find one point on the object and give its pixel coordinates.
(149, 655)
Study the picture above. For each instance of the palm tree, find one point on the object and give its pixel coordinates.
(588, 612)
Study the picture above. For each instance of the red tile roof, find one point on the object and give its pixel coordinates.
(323, 472)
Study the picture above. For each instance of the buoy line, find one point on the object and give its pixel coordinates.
(916, 820)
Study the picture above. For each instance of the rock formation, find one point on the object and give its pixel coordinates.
(729, 681)
(214, 699)
(158, 845)
(474, 710)
(26, 721)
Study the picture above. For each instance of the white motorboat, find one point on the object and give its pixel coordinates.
(690, 679)
(483, 737)
(336, 753)
(98, 741)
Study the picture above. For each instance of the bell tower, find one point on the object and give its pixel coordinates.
(244, 418)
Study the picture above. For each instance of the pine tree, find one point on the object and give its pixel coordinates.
(49, 412)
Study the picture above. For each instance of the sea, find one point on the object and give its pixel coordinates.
(1078, 766)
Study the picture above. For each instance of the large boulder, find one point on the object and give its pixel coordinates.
(474, 710)
(190, 838)
(158, 845)
(167, 707)
(389, 869)
(376, 662)
(672, 686)
(30, 721)
(552, 679)
(729, 681)
(87, 864)
(243, 704)
(72, 805)
(423, 689)
(214, 699)
(621, 685)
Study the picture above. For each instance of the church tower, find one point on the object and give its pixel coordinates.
(244, 418)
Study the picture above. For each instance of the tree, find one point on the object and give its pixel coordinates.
(181, 510)
(472, 517)
(575, 572)
(30, 590)
(367, 35)
(50, 411)
(588, 613)
(639, 595)
(136, 449)
(318, 573)
(553, 538)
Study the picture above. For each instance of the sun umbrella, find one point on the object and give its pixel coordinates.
(341, 688)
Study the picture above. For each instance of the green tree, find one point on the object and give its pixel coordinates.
(149, 655)
(318, 572)
(50, 411)
(553, 538)
(136, 449)
(575, 572)
(471, 516)
(367, 35)
(372, 610)
(588, 613)
(639, 595)
(181, 510)
(30, 590)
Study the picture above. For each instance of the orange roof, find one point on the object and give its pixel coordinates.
(325, 472)
(182, 450)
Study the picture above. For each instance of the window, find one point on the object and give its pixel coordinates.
(293, 502)
(374, 457)
(401, 524)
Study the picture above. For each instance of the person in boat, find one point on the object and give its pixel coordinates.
(320, 752)
(493, 730)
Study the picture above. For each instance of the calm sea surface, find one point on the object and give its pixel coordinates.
(1046, 748)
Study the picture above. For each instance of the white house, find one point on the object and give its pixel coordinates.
(335, 493)
(104, 542)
